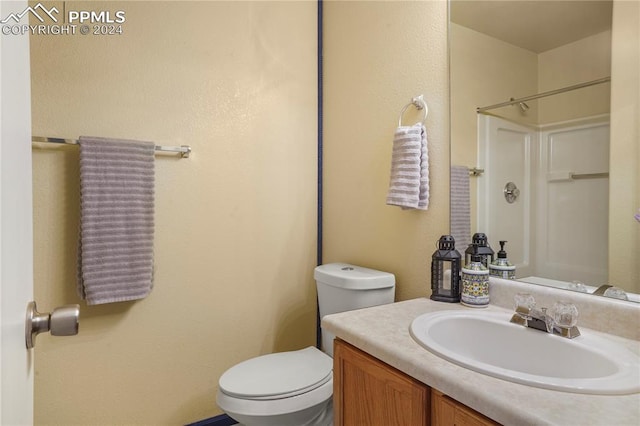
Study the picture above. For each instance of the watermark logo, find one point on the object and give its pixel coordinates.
(91, 16)
(16, 17)
(71, 22)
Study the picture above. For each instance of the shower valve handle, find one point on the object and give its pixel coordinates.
(511, 192)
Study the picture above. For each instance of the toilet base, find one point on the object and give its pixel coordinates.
(324, 417)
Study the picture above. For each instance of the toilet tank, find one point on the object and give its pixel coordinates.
(344, 287)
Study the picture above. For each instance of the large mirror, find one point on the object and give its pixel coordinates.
(530, 138)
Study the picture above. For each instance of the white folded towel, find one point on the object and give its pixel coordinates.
(409, 183)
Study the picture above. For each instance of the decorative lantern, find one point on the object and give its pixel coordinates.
(445, 271)
(479, 247)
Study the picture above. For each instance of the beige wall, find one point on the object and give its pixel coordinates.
(578, 62)
(378, 55)
(235, 227)
(624, 189)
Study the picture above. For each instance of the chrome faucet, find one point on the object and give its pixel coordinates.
(601, 290)
(608, 290)
(562, 322)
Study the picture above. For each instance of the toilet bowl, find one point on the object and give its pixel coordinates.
(282, 389)
(295, 388)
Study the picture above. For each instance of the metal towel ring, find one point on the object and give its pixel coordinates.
(420, 105)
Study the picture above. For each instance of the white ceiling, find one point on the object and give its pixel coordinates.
(536, 25)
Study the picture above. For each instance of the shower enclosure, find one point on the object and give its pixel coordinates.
(545, 190)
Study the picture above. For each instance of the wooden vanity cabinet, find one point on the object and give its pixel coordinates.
(368, 392)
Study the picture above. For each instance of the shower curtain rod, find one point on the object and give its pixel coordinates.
(184, 150)
(545, 94)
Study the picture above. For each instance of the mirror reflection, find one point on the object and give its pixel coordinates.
(530, 137)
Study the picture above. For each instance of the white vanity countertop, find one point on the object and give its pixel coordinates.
(383, 332)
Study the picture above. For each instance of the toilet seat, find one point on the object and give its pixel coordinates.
(277, 376)
(254, 407)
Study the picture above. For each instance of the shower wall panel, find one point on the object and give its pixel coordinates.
(573, 228)
(557, 228)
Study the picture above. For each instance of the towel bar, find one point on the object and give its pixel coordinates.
(475, 172)
(184, 150)
(568, 176)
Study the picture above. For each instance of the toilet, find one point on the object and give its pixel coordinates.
(295, 388)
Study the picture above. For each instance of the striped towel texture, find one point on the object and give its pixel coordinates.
(460, 207)
(409, 182)
(115, 253)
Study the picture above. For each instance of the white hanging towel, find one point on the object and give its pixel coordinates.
(409, 182)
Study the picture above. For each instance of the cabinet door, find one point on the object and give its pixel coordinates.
(448, 412)
(368, 392)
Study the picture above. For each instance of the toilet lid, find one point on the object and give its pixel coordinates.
(278, 375)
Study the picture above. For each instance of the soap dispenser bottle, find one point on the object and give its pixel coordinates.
(501, 267)
(475, 284)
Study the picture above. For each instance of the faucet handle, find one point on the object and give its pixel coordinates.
(524, 303)
(565, 314)
(616, 293)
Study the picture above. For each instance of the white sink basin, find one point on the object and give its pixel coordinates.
(488, 343)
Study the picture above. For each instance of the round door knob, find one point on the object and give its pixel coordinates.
(64, 320)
